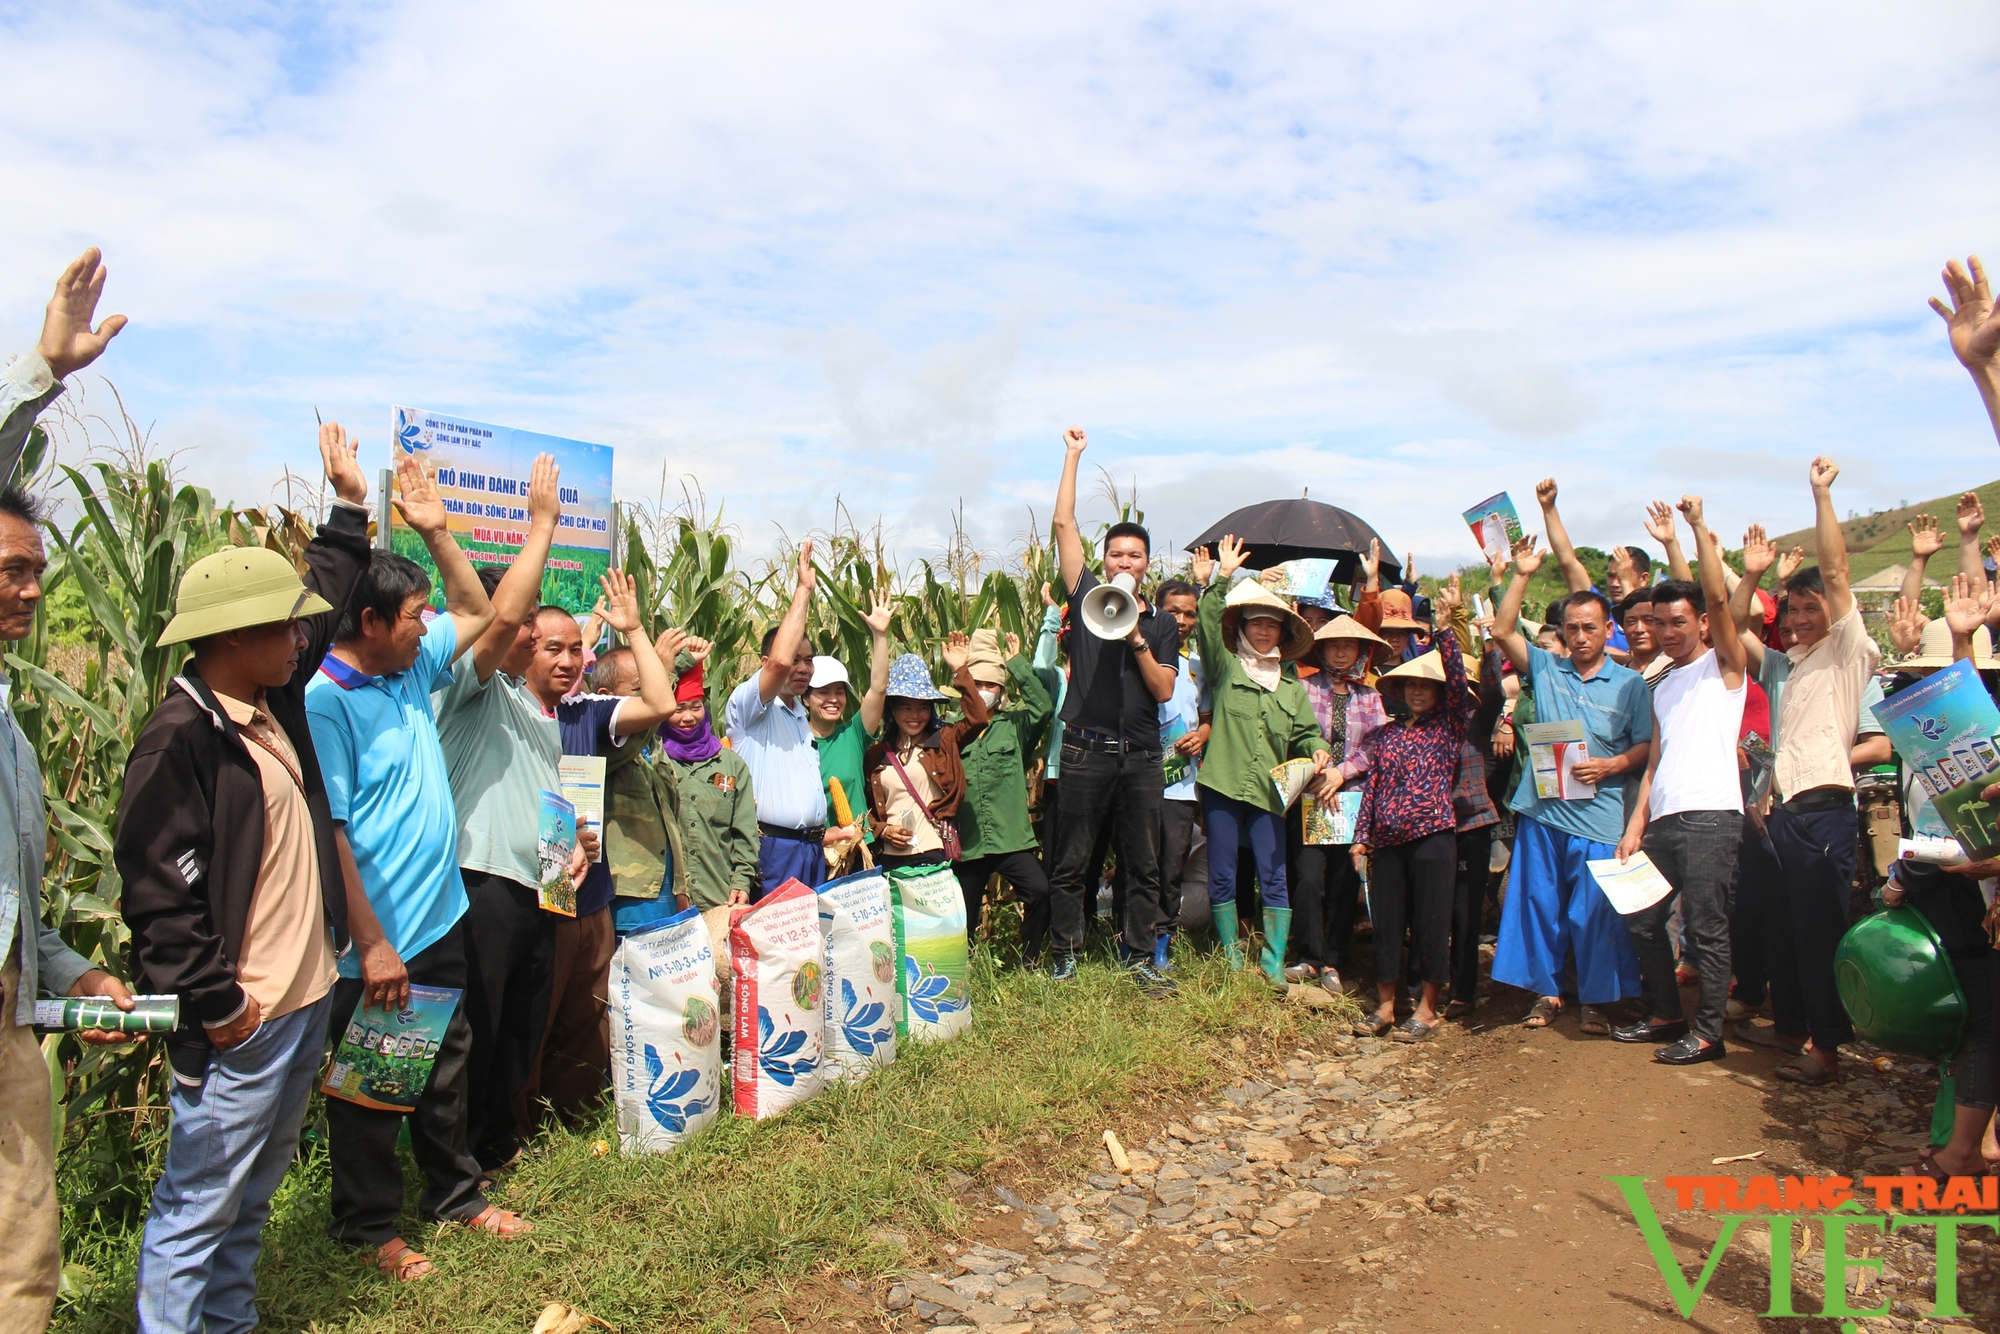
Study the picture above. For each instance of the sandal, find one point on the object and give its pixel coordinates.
(1803, 1069)
(1459, 1009)
(1372, 1026)
(1302, 972)
(400, 1261)
(1412, 1029)
(1595, 1025)
(1543, 1014)
(499, 1222)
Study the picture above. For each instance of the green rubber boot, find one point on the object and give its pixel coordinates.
(1277, 926)
(1225, 931)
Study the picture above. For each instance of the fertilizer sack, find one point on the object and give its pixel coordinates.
(861, 1000)
(927, 912)
(778, 955)
(666, 1050)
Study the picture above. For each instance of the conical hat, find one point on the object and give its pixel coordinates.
(1298, 636)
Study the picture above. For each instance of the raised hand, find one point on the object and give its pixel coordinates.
(1526, 559)
(1075, 440)
(1788, 564)
(1545, 492)
(1925, 540)
(1371, 564)
(879, 615)
(1013, 645)
(957, 649)
(1448, 597)
(1231, 554)
(1409, 567)
(1965, 605)
(808, 578)
(419, 502)
(1498, 565)
(1906, 625)
(668, 646)
(338, 456)
(68, 343)
(1690, 508)
(621, 603)
(1760, 553)
(698, 648)
(1048, 597)
(1971, 515)
(1972, 322)
(544, 498)
(1660, 521)
(1203, 567)
(1993, 548)
(1822, 472)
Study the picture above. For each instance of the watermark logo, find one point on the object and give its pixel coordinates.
(1832, 1203)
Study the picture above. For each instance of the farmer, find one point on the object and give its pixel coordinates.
(841, 740)
(643, 849)
(1260, 718)
(713, 795)
(1180, 808)
(1111, 757)
(397, 833)
(224, 778)
(915, 774)
(993, 826)
(768, 726)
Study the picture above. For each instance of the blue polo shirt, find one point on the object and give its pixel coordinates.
(386, 782)
(1616, 710)
(776, 741)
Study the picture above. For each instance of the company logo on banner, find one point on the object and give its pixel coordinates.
(482, 477)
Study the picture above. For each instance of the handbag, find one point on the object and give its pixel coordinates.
(947, 828)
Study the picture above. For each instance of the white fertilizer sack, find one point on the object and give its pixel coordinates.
(860, 988)
(666, 1029)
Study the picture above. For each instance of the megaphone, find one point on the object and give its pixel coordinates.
(1111, 610)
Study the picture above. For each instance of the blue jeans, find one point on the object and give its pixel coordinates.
(1227, 823)
(1554, 906)
(233, 1139)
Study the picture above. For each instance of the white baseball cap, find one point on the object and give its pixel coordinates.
(827, 671)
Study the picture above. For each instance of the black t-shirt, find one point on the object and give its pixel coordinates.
(1106, 692)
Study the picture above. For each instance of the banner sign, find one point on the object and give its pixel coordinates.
(482, 476)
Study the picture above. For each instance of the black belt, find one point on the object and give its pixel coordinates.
(796, 835)
(1813, 800)
(1089, 740)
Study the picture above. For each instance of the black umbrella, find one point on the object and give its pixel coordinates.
(1280, 530)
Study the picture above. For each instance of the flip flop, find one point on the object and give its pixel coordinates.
(1765, 1035)
(1594, 1023)
(400, 1261)
(1412, 1030)
(1803, 1069)
(1372, 1026)
(499, 1222)
(1459, 1009)
(1543, 1014)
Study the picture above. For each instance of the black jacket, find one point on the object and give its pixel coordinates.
(191, 822)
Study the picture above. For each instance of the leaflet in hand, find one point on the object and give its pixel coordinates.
(1305, 578)
(1179, 765)
(1496, 525)
(1324, 824)
(1944, 729)
(554, 844)
(149, 1014)
(581, 778)
(1631, 886)
(384, 1059)
(1554, 751)
(1292, 778)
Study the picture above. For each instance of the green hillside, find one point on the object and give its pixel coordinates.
(1876, 541)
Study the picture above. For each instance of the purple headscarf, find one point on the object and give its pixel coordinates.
(691, 745)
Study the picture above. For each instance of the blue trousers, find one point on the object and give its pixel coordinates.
(782, 859)
(233, 1138)
(1227, 822)
(1553, 907)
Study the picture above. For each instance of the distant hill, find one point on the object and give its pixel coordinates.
(1876, 541)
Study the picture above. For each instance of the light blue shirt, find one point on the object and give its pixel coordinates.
(1190, 697)
(1616, 711)
(50, 965)
(776, 741)
(387, 783)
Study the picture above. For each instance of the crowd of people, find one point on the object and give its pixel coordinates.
(339, 800)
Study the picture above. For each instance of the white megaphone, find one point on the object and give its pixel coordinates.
(1111, 610)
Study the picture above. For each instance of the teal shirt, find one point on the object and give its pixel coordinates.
(1616, 710)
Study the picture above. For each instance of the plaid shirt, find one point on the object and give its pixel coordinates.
(1469, 801)
(1365, 717)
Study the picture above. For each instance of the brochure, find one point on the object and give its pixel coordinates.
(1292, 778)
(1333, 824)
(554, 844)
(581, 778)
(1495, 525)
(1179, 767)
(1631, 886)
(384, 1059)
(1554, 751)
(149, 1014)
(1305, 578)
(1944, 728)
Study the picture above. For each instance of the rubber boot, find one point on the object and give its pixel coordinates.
(1277, 926)
(1225, 931)
(1162, 943)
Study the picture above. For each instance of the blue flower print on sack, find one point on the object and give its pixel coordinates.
(775, 1053)
(665, 1088)
(855, 1024)
(927, 989)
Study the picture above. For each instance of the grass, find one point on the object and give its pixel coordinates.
(698, 1240)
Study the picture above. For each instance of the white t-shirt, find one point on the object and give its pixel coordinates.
(1700, 719)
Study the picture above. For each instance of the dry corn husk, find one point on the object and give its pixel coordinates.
(717, 921)
(557, 1318)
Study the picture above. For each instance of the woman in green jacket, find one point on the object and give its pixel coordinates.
(1261, 718)
(993, 826)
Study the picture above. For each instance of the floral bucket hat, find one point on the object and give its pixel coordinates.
(909, 678)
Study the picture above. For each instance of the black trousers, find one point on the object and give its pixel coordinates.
(1179, 820)
(367, 1176)
(1411, 886)
(1756, 915)
(1468, 899)
(1126, 788)
(1325, 890)
(509, 949)
(1816, 851)
(1022, 870)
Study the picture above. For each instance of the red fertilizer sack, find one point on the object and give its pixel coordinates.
(778, 956)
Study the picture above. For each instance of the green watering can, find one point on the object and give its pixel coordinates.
(1899, 986)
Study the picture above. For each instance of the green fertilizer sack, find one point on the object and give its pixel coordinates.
(927, 912)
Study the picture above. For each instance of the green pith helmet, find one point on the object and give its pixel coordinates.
(237, 588)
(1898, 985)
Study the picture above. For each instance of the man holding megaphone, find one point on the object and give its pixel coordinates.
(1122, 659)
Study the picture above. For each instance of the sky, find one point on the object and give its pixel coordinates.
(788, 255)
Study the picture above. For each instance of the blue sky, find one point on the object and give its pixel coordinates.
(1403, 255)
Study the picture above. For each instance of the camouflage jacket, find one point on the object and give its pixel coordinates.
(642, 823)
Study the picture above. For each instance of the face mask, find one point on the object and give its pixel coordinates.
(991, 697)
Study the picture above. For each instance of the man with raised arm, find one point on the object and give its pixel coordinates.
(396, 831)
(1813, 824)
(1625, 572)
(768, 725)
(1554, 905)
(1689, 813)
(1112, 763)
